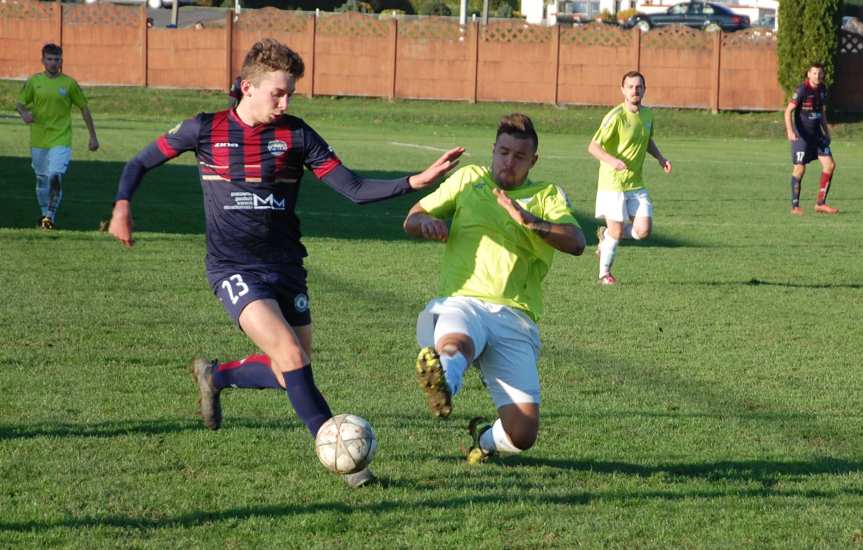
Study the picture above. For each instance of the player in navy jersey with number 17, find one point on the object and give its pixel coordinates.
(250, 161)
(806, 126)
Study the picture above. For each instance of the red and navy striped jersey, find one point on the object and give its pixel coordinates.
(250, 176)
(809, 104)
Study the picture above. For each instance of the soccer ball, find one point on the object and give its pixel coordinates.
(346, 444)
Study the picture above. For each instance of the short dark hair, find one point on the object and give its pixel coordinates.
(815, 66)
(520, 126)
(633, 74)
(271, 55)
(51, 49)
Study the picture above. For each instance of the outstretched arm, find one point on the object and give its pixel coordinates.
(362, 190)
(421, 225)
(565, 237)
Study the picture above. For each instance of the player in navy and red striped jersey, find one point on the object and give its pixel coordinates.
(250, 162)
(806, 126)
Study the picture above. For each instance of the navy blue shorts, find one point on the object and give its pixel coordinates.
(804, 151)
(237, 288)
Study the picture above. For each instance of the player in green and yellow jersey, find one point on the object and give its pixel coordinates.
(620, 144)
(45, 103)
(504, 229)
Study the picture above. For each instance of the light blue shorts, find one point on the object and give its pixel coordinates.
(54, 160)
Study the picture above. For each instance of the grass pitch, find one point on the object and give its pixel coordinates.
(711, 400)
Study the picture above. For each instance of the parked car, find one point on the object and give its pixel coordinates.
(699, 15)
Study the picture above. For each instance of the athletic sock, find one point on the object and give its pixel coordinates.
(43, 193)
(497, 441)
(795, 192)
(306, 399)
(607, 251)
(252, 372)
(453, 369)
(824, 187)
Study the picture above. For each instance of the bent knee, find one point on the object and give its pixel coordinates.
(524, 439)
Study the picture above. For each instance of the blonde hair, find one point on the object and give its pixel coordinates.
(270, 55)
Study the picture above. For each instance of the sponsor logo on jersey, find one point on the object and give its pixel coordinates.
(223, 144)
(277, 147)
(250, 201)
(301, 303)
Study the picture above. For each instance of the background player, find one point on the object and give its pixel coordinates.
(250, 162)
(807, 130)
(499, 248)
(45, 103)
(625, 135)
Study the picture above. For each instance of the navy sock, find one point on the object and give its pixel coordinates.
(252, 372)
(795, 192)
(310, 405)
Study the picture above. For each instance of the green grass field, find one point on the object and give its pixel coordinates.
(713, 399)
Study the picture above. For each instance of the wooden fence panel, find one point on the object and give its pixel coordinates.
(434, 59)
(747, 77)
(847, 91)
(677, 65)
(24, 29)
(354, 55)
(186, 58)
(593, 58)
(104, 43)
(517, 62)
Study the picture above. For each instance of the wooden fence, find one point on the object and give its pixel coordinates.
(426, 58)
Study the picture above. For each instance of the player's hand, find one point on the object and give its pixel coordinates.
(27, 117)
(121, 223)
(439, 168)
(618, 165)
(94, 144)
(434, 229)
(792, 135)
(666, 165)
(516, 212)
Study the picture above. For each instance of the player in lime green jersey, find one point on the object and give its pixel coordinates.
(503, 231)
(45, 103)
(623, 138)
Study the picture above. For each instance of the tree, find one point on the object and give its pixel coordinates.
(808, 33)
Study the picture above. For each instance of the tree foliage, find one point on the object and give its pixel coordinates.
(808, 33)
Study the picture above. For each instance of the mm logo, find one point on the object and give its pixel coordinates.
(277, 147)
(269, 203)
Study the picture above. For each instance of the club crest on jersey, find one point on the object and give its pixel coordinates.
(62, 92)
(301, 303)
(277, 147)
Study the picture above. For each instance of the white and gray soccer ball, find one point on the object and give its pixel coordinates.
(346, 444)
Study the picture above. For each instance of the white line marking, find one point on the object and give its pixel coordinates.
(426, 147)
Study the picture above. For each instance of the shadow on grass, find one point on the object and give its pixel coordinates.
(764, 471)
(169, 201)
(760, 282)
(379, 506)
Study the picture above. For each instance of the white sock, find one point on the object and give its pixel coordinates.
(453, 369)
(607, 250)
(497, 441)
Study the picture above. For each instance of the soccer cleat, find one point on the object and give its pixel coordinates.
(826, 209)
(607, 280)
(360, 479)
(209, 406)
(476, 455)
(797, 211)
(46, 223)
(600, 234)
(432, 380)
